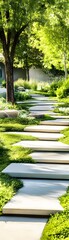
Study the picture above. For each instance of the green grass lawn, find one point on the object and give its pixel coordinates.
(57, 228)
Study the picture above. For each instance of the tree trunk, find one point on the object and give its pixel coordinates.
(9, 80)
(27, 73)
(65, 67)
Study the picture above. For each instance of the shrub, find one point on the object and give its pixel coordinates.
(25, 84)
(21, 83)
(33, 85)
(6, 106)
(3, 83)
(54, 86)
(63, 91)
(45, 87)
(20, 96)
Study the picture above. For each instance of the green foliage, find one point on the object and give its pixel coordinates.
(58, 225)
(53, 38)
(21, 83)
(45, 87)
(54, 86)
(25, 84)
(33, 85)
(3, 83)
(11, 125)
(65, 138)
(64, 102)
(65, 198)
(63, 91)
(5, 106)
(8, 187)
(16, 20)
(20, 96)
(10, 154)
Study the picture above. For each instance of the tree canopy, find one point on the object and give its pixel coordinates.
(34, 25)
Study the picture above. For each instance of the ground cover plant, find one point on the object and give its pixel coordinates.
(10, 153)
(63, 90)
(54, 86)
(26, 85)
(65, 138)
(62, 106)
(21, 96)
(58, 224)
(18, 124)
(8, 187)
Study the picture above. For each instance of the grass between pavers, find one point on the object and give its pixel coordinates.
(9, 154)
(58, 224)
(18, 124)
(65, 138)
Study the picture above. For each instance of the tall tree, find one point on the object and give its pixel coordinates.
(15, 17)
(26, 55)
(53, 37)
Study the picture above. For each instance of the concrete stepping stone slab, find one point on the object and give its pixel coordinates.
(43, 113)
(37, 197)
(38, 102)
(44, 128)
(41, 108)
(43, 145)
(59, 122)
(40, 136)
(21, 228)
(38, 171)
(50, 157)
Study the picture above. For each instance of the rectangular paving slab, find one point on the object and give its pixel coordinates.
(21, 228)
(43, 145)
(44, 128)
(59, 122)
(50, 157)
(40, 136)
(41, 108)
(38, 102)
(52, 114)
(37, 197)
(44, 171)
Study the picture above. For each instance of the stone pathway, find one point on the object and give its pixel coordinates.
(44, 181)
